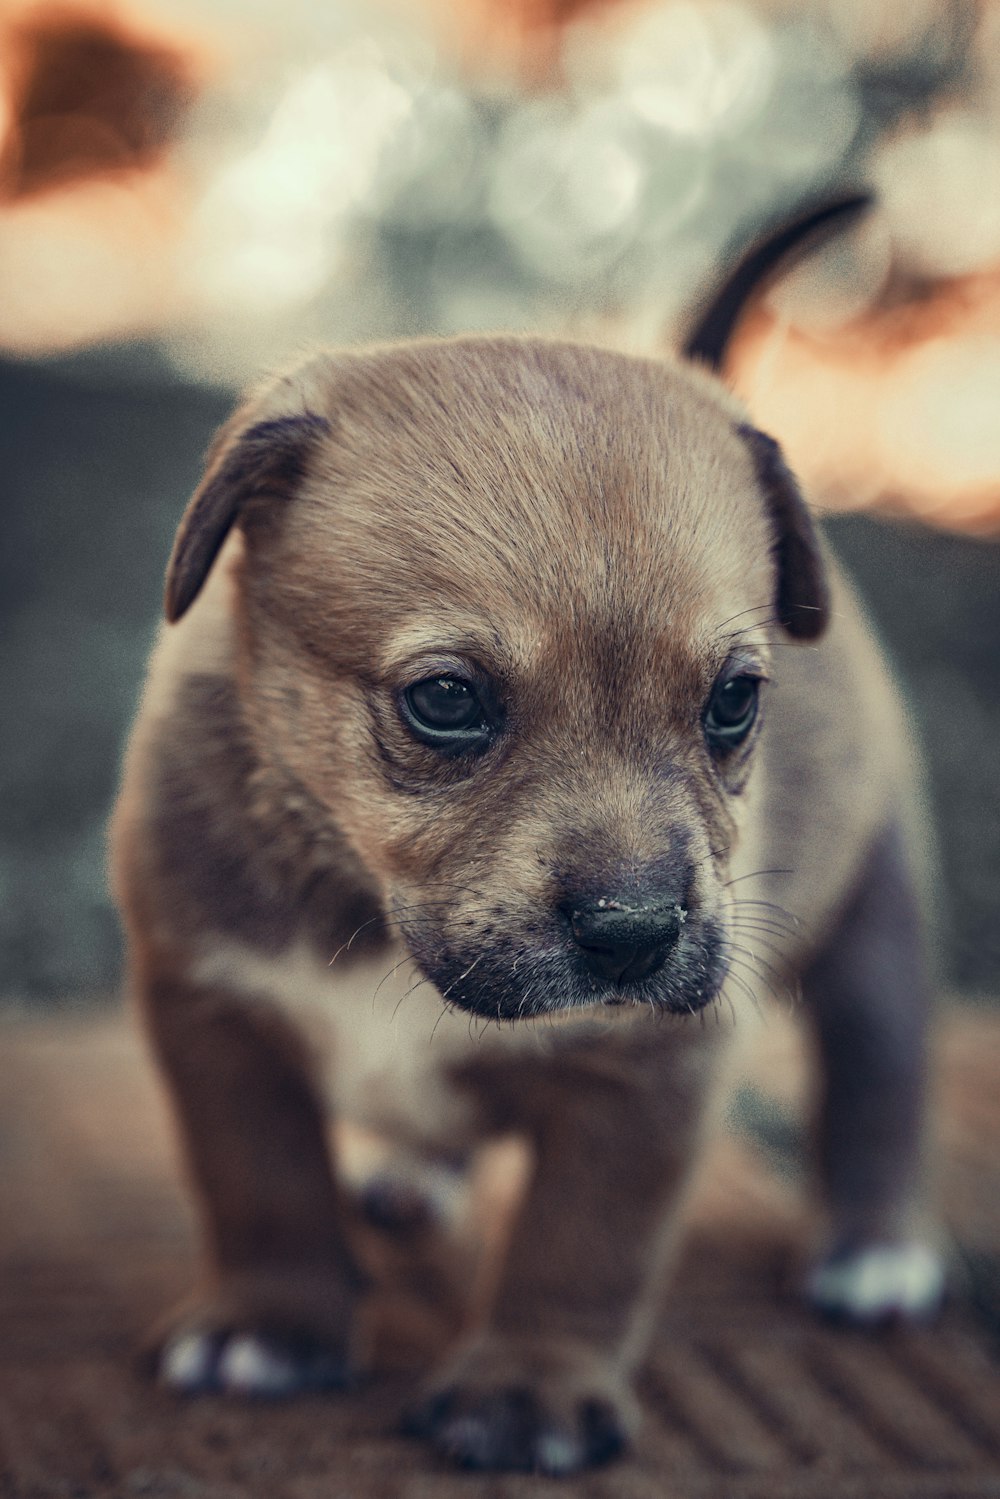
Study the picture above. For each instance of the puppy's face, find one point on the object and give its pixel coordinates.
(510, 626)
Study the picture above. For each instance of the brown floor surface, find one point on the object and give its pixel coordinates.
(746, 1397)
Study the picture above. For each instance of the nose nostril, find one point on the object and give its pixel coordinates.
(625, 944)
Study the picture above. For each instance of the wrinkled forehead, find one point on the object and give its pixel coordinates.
(509, 493)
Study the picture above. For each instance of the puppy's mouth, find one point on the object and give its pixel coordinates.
(514, 979)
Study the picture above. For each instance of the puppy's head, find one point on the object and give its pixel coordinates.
(505, 611)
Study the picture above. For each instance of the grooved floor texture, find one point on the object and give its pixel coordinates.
(745, 1396)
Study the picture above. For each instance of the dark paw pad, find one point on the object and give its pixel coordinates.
(514, 1429)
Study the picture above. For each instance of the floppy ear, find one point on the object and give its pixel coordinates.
(803, 592)
(261, 462)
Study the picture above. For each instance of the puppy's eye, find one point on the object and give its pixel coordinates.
(731, 711)
(446, 713)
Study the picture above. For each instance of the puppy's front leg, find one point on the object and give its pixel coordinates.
(547, 1386)
(275, 1312)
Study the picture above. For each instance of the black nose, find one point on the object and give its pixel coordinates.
(625, 943)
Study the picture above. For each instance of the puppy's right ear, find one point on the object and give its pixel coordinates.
(260, 462)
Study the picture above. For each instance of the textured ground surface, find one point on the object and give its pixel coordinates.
(746, 1397)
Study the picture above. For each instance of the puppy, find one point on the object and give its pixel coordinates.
(508, 681)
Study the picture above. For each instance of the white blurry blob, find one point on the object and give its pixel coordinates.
(263, 235)
(679, 170)
(938, 432)
(940, 191)
(431, 175)
(567, 185)
(812, 114)
(691, 69)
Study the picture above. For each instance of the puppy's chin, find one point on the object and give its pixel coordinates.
(511, 981)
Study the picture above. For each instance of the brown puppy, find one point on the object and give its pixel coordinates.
(524, 686)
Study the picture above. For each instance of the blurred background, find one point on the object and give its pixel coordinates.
(193, 191)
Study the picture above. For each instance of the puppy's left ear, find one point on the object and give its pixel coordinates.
(803, 599)
(247, 463)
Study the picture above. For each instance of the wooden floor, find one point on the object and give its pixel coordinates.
(746, 1397)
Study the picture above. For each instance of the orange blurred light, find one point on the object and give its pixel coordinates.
(510, 38)
(900, 410)
(103, 237)
(85, 96)
(91, 100)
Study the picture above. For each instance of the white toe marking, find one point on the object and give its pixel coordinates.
(187, 1361)
(873, 1283)
(249, 1367)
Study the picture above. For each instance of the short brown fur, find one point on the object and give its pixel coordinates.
(596, 539)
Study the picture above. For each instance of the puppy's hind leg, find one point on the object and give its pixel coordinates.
(275, 1313)
(867, 994)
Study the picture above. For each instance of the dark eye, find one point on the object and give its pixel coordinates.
(731, 711)
(446, 713)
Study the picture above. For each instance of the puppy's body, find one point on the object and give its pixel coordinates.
(323, 955)
(321, 885)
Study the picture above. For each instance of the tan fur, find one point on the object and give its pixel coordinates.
(593, 533)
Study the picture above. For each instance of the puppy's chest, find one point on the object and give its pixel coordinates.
(381, 1038)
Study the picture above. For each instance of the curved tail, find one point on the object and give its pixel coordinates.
(715, 324)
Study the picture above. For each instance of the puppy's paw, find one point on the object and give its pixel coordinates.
(255, 1364)
(526, 1406)
(878, 1283)
(263, 1336)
